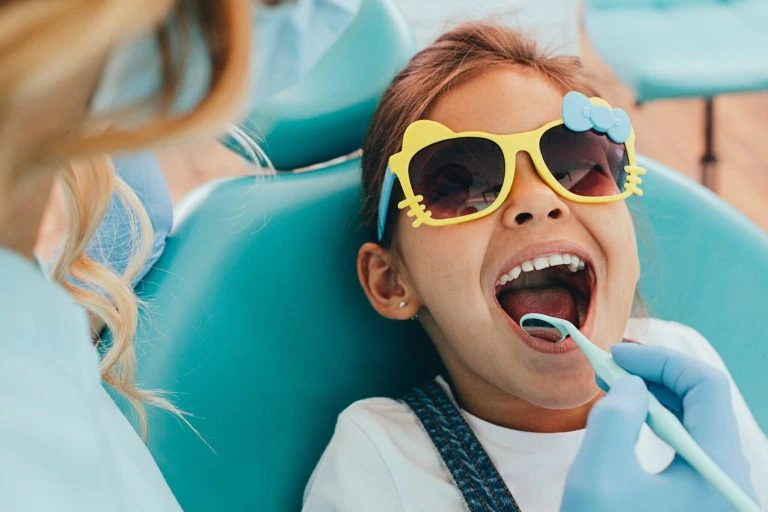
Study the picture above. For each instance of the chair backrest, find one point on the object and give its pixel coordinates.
(702, 266)
(338, 96)
(260, 329)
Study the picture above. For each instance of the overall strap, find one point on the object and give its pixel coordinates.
(473, 471)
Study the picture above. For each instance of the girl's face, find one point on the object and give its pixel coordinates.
(452, 274)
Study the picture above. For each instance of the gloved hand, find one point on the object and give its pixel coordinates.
(606, 476)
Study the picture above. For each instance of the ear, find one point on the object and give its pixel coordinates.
(390, 293)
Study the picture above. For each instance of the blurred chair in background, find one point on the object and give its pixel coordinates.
(684, 49)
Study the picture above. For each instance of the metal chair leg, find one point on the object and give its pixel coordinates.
(708, 159)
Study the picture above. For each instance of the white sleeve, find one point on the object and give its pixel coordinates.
(351, 475)
(753, 440)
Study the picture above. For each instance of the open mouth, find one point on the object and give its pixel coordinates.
(560, 285)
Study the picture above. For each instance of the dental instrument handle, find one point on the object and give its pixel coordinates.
(666, 425)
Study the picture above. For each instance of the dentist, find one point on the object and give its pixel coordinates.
(64, 444)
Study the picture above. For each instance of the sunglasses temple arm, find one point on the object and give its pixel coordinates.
(386, 195)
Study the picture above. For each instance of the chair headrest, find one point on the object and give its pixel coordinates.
(337, 97)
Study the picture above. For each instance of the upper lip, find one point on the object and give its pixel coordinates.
(534, 251)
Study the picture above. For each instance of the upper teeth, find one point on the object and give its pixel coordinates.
(573, 262)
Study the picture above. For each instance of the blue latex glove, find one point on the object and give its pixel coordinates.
(606, 476)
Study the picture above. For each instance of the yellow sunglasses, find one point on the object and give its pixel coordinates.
(588, 156)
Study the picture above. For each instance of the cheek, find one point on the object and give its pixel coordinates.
(626, 248)
(443, 262)
(613, 229)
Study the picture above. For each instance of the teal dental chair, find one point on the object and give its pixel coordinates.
(259, 328)
(684, 49)
(341, 92)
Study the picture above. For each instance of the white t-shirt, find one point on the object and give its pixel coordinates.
(64, 444)
(381, 459)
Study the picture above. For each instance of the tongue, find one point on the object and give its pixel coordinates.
(556, 301)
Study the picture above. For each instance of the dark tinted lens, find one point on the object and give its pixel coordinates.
(586, 163)
(458, 176)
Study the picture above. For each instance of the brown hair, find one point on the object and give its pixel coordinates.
(453, 58)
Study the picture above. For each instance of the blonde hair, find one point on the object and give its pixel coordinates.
(41, 41)
(87, 188)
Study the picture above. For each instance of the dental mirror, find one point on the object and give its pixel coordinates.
(541, 328)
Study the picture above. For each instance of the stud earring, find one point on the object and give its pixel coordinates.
(402, 304)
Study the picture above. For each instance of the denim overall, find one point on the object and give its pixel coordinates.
(472, 470)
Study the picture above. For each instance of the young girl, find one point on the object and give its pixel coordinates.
(504, 195)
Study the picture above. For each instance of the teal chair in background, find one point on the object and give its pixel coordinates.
(684, 49)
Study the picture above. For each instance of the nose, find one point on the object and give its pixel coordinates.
(531, 200)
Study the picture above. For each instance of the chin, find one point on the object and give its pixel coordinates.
(565, 390)
(572, 401)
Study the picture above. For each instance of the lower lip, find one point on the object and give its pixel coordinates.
(549, 347)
